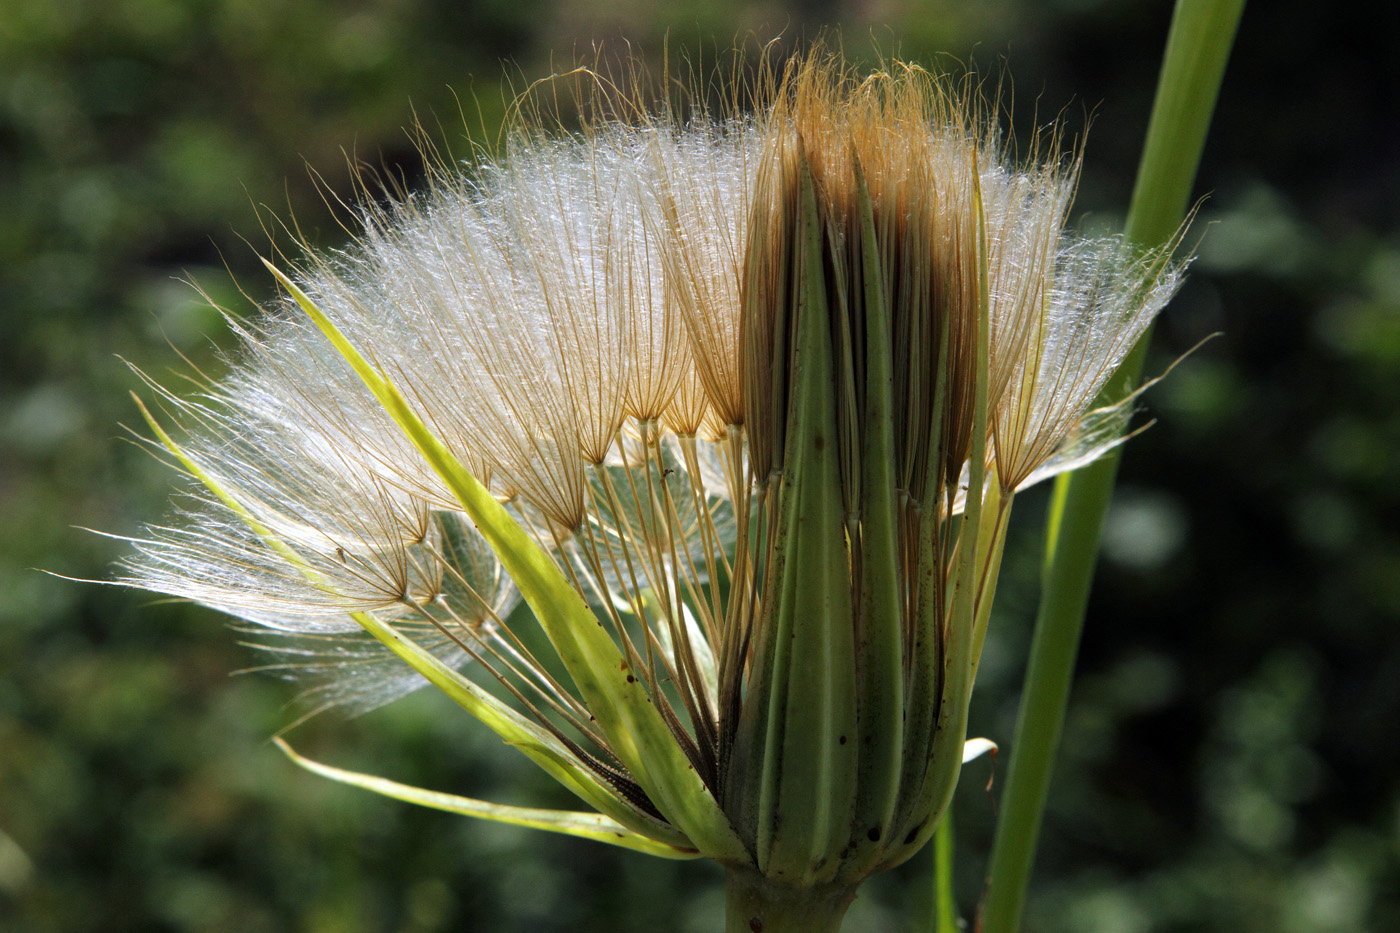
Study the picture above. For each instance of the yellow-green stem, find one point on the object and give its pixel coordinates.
(945, 908)
(1198, 47)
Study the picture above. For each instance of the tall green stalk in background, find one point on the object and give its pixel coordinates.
(1198, 46)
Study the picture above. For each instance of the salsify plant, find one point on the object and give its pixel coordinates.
(734, 400)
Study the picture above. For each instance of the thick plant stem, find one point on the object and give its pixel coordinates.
(755, 904)
(1198, 47)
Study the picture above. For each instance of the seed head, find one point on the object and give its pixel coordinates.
(737, 401)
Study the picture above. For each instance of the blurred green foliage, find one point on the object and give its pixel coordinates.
(1231, 760)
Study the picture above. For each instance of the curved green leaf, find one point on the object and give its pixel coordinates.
(568, 822)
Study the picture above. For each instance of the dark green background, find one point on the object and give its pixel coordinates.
(1231, 760)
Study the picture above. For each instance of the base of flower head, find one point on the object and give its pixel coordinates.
(755, 904)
